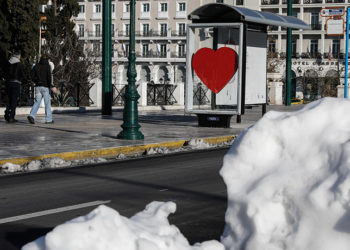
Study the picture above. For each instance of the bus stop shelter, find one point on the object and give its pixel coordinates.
(227, 55)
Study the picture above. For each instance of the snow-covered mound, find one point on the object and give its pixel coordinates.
(105, 229)
(288, 181)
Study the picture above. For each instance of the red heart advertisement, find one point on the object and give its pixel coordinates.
(215, 68)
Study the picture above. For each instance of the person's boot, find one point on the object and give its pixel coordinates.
(6, 116)
(30, 119)
(12, 120)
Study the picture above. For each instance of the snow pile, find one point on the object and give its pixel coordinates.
(104, 228)
(288, 181)
(158, 150)
(47, 163)
(10, 168)
(198, 144)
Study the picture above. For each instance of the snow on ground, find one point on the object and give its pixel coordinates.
(105, 229)
(288, 182)
(55, 162)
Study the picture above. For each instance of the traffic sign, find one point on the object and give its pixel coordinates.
(329, 12)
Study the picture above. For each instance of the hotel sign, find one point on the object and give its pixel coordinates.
(331, 12)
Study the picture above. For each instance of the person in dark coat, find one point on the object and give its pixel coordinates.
(41, 76)
(14, 78)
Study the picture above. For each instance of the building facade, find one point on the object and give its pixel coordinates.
(161, 41)
(160, 29)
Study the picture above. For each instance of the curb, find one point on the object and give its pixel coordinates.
(109, 152)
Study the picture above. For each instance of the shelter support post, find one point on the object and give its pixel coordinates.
(244, 62)
(346, 54)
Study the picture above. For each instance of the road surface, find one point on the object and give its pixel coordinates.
(32, 204)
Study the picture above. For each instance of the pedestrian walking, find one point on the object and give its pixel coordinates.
(14, 78)
(42, 78)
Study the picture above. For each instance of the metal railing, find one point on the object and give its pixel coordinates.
(335, 1)
(160, 94)
(312, 1)
(122, 33)
(268, 2)
(293, 2)
(68, 95)
(316, 26)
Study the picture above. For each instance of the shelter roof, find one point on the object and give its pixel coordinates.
(219, 13)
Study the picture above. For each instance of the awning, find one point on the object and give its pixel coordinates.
(218, 13)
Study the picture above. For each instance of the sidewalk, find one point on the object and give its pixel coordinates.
(80, 135)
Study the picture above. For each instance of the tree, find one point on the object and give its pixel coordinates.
(19, 22)
(24, 27)
(72, 69)
(5, 36)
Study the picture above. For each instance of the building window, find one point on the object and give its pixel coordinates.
(112, 30)
(98, 8)
(294, 48)
(126, 7)
(97, 30)
(81, 30)
(145, 29)
(164, 7)
(315, 21)
(220, 1)
(145, 7)
(127, 29)
(182, 52)
(335, 48)
(82, 8)
(127, 48)
(163, 50)
(239, 2)
(163, 29)
(97, 49)
(272, 47)
(145, 50)
(182, 29)
(182, 6)
(314, 48)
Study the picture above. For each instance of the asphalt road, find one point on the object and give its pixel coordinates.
(32, 204)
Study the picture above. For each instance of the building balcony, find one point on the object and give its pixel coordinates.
(178, 55)
(146, 35)
(293, 1)
(272, 28)
(269, 2)
(335, 1)
(312, 1)
(145, 15)
(151, 56)
(96, 16)
(178, 33)
(163, 15)
(316, 26)
(181, 14)
(81, 16)
(126, 15)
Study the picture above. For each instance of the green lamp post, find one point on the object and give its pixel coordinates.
(107, 95)
(288, 89)
(130, 124)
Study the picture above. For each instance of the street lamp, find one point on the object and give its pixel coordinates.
(130, 114)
